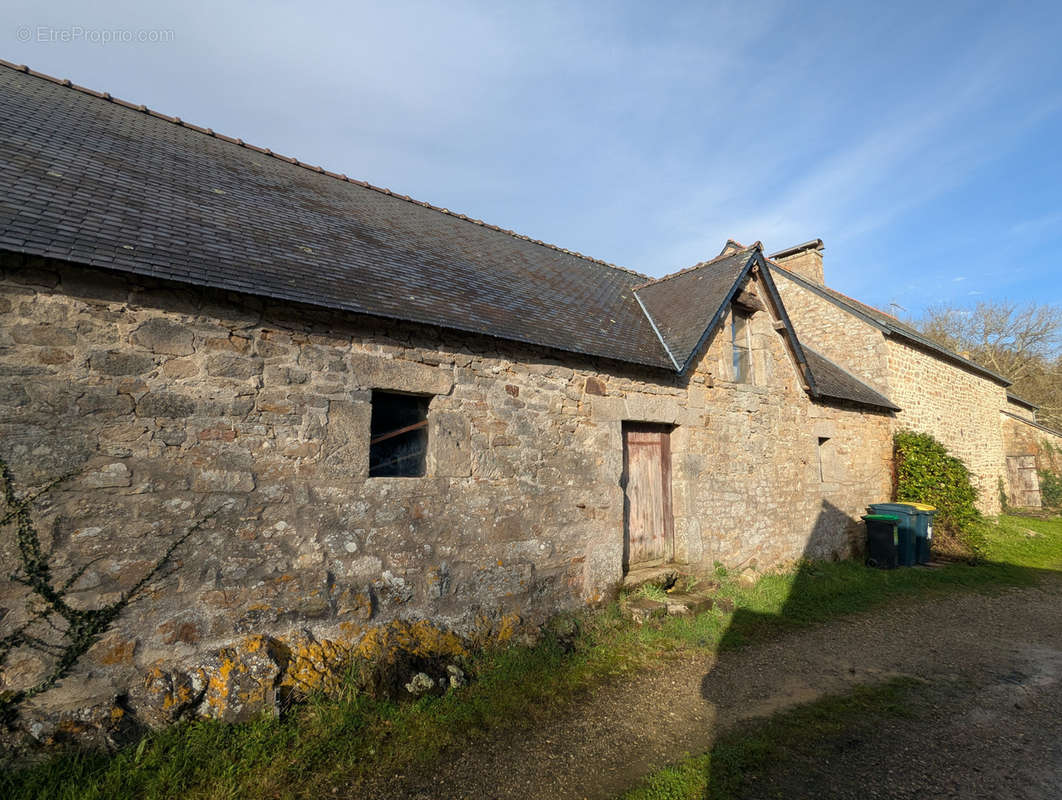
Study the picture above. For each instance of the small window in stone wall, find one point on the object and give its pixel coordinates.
(825, 455)
(398, 442)
(739, 339)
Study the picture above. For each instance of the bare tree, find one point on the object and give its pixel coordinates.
(1020, 342)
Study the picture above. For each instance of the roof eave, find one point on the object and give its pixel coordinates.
(885, 405)
(347, 309)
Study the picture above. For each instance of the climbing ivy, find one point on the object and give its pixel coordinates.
(56, 629)
(1051, 488)
(927, 473)
(1004, 503)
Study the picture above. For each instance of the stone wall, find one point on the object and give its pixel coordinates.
(754, 466)
(837, 334)
(958, 407)
(953, 404)
(169, 404)
(1020, 410)
(1025, 437)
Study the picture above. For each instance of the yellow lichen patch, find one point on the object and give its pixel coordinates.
(254, 644)
(508, 626)
(218, 684)
(351, 629)
(315, 666)
(495, 631)
(420, 639)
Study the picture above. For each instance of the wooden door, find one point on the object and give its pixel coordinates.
(1024, 481)
(648, 524)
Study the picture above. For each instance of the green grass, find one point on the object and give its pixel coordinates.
(650, 592)
(330, 743)
(1009, 542)
(1020, 549)
(746, 752)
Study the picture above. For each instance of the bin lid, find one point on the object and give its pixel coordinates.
(904, 509)
(923, 506)
(881, 518)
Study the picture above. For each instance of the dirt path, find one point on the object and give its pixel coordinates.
(1002, 739)
(605, 744)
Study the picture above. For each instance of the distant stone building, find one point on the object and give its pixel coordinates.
(389, 411)
(964, 405)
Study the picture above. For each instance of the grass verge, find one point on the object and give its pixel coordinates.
(337, 743)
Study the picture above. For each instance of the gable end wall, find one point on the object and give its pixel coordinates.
(836, 334)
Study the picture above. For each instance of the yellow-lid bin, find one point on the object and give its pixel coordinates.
(922, 506)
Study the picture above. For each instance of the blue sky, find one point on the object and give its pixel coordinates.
(920, 141)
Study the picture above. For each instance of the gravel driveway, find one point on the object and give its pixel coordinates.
(1001, 739)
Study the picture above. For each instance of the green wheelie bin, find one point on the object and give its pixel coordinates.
(883, 540)
(907, 528)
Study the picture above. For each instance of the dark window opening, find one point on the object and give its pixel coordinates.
(739, 339)
(398, 439)
(823, 457)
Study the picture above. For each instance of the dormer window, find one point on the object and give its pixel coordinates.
(741, 346)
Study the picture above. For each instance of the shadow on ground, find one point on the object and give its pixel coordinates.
(802, 605)
(832, 527)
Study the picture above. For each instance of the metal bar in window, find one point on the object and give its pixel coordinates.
(391, 434)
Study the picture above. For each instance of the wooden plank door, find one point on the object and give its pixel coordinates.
(1024, 481)
(648, 521)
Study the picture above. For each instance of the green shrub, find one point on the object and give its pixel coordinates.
(1051, 489)
(927, 473)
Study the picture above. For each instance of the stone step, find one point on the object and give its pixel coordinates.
(643, 609)
(663, 576)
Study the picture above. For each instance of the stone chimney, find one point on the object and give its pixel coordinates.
(804, 259)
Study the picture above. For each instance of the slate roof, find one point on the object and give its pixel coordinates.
(1022, 402)
(95, 180)
(681, 305)
(832, 382)
(107, 184)
(1034, 423)
(886, 323)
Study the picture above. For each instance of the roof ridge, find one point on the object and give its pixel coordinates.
(311, 167)
(841, 294)
(898, 326)
(719, 257)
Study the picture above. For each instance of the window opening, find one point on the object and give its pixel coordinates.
(739, 339)
(398, 437)
(823, 443)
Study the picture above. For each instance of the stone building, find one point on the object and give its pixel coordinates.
(1029, 447)
(380, 410)
(960, 402)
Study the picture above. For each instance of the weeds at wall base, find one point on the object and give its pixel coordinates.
(326, 744)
